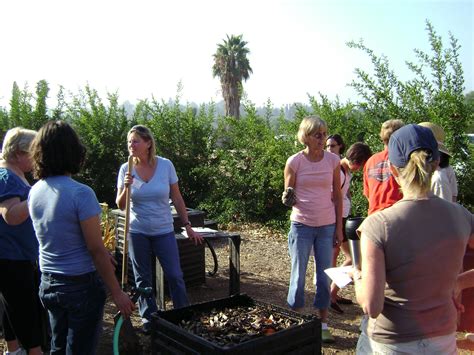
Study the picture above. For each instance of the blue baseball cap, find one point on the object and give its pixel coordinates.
(406, 140)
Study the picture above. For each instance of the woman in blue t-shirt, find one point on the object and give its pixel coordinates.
(73, 260)
(153, 181)
(18, 246)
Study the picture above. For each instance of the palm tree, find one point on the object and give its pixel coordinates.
(231, 65)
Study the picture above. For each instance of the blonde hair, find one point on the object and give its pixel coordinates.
(145, 133)
(387, 129)
(415, 177)
(309, 126)
(17, 140)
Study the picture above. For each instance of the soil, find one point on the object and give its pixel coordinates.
(265, 271)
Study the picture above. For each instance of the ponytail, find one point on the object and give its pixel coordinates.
(415, 177)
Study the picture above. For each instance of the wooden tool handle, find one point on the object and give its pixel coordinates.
(126, 228)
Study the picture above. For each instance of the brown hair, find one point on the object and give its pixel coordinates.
(339, 141)
(358, 153)
(387, 129)
(57, 150)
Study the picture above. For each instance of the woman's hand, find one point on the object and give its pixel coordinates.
(123, 303)
(338, 237)
(183, 214)
(194, 236)
(463, 281)
(128, 179)
(355, 274)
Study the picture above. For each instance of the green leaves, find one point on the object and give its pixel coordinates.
(246, 174)
(435, 93)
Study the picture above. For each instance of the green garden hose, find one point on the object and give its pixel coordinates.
(136, 292)
(117, 335)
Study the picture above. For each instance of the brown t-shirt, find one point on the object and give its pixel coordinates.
(424, 242)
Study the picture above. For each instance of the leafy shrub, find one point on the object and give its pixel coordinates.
(103, 130)
(246, 171)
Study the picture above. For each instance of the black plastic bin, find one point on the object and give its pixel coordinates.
(168, 338)
(192, 257)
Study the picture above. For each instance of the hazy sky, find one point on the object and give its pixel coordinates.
(142, 48)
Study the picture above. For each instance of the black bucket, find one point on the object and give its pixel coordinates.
(354, 244)
(351, 226)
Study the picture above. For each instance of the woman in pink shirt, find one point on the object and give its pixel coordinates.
(316, 217)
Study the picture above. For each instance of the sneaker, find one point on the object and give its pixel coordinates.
(326, 336)
(336, 308)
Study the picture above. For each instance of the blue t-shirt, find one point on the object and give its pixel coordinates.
(150, 211)
(57, 205)
(16, 242)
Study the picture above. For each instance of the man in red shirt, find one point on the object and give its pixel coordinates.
(380, 187)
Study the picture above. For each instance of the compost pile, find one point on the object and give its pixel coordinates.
(230, 326)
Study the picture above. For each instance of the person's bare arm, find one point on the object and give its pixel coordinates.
(289, 176)
(370, 287)
(365, 182)
(178, 203)
(14, 211)
(103, 263)
(121, 198)
(337, 199)
(465, 280)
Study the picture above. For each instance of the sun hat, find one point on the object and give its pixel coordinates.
(406, 140)
(439, 135)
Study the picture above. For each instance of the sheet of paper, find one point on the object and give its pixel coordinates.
(201, 230)
(340, 275)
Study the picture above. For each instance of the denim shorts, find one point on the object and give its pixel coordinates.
(75, 306)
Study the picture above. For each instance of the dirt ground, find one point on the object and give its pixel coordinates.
(265, 271)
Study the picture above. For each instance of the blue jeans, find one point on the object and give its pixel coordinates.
(165, 248)
(440, 345)
(75, 305)
(301, 239)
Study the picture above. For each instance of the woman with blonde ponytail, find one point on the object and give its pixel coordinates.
(411, 255)
(417, 174)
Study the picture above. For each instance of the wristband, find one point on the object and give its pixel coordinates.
(187, 224)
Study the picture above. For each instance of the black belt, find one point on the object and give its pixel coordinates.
(76, 278)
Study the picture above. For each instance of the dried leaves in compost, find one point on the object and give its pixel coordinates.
(229, 326)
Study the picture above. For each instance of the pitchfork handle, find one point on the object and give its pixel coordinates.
(126, 228)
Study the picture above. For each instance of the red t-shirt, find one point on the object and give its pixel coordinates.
(380, 187)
